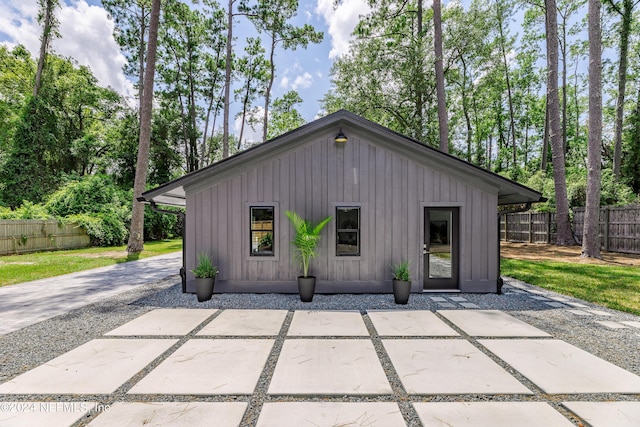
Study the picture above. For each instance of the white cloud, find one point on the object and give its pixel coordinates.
(251, 134)
(284, 83)
(87, 36)
(341, 21)
(303, 81)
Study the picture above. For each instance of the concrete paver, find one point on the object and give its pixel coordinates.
(409, 323)
(208, 367)
(164, 321)
(558, 367)
(329, 367)
(246, 323)
(450, 366)
(97, 367)
(330, 414)
(328, 323)
(491, 323)
(172, 414)
(50, 414)
(607, 414)
(489, 414)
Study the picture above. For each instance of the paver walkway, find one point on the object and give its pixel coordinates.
(27, 303)
(324, 368)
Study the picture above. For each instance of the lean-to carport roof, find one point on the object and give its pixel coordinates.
(509, 192)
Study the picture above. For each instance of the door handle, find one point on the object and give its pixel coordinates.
(424, 249)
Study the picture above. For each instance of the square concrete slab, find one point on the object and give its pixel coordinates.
(164, 321)
(330, 414)
(556, 304)
(50, 414)
(489, 414)
(409, 323)
(458, 299)
(631, 323)
(469, 305)
(209, 367)
(558, 367)
(491, 323)
(448, 366)
(538, 298)
(192, 414)
(328, 324)
(611, 324)
(97, 367)
(577, 304)
(331, 367)
(580, 312)
(446, 305)
(600, 313)
(607, 414)
(246, 323)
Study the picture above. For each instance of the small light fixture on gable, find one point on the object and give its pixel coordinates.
(341, 138)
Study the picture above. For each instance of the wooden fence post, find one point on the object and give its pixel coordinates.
(606, 228)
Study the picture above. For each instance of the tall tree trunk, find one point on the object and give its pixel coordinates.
(442, 103)
(48, 30)
(512, 122)
(136, 233)
(141, 53)
(545, 139)
(590, 238)
(267, 93)
(564, 233)
(227, 83)
(625, 29)
(563, 45)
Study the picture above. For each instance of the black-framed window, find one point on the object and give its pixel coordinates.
(347, 231)
(262, 231)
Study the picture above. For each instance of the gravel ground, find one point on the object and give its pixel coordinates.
(32, 346)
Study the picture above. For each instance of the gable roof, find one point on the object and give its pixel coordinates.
(509, 192)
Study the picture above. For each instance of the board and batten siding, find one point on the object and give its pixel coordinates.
(313, 178)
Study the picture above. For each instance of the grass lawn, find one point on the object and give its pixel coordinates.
(40, 265)
(613, 286)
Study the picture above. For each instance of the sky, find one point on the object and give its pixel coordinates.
(87, 36)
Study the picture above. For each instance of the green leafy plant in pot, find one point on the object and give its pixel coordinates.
(401, 282)
(205, 274)
(306, 240)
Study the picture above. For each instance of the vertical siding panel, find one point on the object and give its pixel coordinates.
(437, 196)
(476, 238)
(252, 185)
(190, 244)
(381, 247)
(347, 170)
(332, 196)
(239, 232)
(340, 154)
(299, 183)
(206, 225)
(223, 228)
(392, 188)
(492, 238)
(428, 185)
(370, 214)
(445, 196)
(483, 273)
(468, 235)
(284, 270)
(364, 272)
(213, 217)
(413, 227)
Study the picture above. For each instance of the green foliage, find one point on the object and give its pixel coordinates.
(97, 205)
(284, 116)
(159, 226)
(205, 268)
(104, 229)
(306, 239)
(401, 271)
(27, 210)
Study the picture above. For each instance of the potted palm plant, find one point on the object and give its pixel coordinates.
(401, 282)
(205, 273)
(305, 241)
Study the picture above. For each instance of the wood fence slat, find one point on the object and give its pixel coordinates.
(619, 227)
(21, 236)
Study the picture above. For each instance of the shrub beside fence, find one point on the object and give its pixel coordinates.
(619, 227)
(19, 236)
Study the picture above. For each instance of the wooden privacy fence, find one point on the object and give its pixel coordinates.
(619, 227)
(19, 236)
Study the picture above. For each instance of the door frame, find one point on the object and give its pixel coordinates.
(452, 283)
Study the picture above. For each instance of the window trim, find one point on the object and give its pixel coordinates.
(253, 255)
(358, 231)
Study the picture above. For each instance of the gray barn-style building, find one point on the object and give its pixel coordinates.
(391, 199)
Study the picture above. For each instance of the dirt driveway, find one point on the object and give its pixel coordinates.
(542, 252)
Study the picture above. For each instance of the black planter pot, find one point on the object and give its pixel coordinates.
(401, 291)
(204, 288)
(306, 288)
